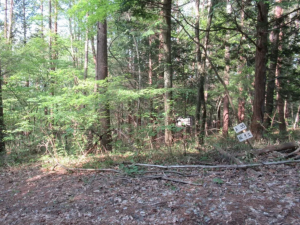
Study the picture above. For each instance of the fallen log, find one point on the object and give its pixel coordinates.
(281, 147)
(218, 166)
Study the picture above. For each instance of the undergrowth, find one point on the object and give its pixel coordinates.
(179, 153)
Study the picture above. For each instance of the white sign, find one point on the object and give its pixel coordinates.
(239, 128)
(183, 121)
(245, 136)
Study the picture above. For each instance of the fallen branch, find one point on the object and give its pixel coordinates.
(220, 166)
(81, 169)
(227, 155)
(169, 171)
(282, 147)
(293, 153)
(170, 179)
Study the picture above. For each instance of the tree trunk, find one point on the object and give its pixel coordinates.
(9, 40)
(5, 20)
(260, 70)
(297, 118)
(280, 101)
(274, 38)
(242, 63)
(94, 51)
(42, 21)
(102, 74)
(166, 42)
(86, 50)
(201, 67)
(226, 80)
(2, 124)
(24, 22)
(150, 82)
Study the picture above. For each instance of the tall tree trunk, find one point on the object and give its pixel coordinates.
(24, 22)
(280, 101)
(42, 21)
(274, 38)
(150, 82)
(201, 67)
(260, 70)
(11, 13)
(226, 80)
(86, 50)
(242, 63)
(50, 30)
(166, 38)
(101, 74)
(94, 50)
(2, 124)
(5, 20)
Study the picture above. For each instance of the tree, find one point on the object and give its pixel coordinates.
(166, 42)
(2, 124)
(226, 79)
(260, 69)
(102, 74)
(274, 39)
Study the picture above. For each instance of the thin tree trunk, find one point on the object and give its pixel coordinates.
(297, 118)
(226, 80)
(201, 67)
(286, 111)
(5, 20)
(260, 70)
(102, 74)
(2, 124)
(94, 50)
(274, 38)
(242, 63)
(280, 101)
(42, 21)
(10, 22)
(166, 38)
(86, 50)
(150, 82)
(24, 22)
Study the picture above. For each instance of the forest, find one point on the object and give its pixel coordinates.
(149, 111)
(81, 77)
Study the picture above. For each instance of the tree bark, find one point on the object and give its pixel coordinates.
(86, 51)
(242, 63)
(5, 20)
(102, 74)
(260, 70)
(226, 80)
(2, 124)
(280, 102)
(274, 38)
(201, 67)
(297, 118)
(94, 51)
(24, 23)
(42, 21)
(166, 42)
(9, 39)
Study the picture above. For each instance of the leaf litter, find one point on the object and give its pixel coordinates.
(262, 195)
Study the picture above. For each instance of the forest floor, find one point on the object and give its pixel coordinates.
(260, 195)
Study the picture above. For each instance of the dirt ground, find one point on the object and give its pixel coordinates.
(264, 195)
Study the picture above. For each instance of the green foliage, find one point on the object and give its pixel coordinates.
(218, 180)
(131, 170)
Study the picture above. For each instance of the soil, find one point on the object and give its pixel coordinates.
(264, 195)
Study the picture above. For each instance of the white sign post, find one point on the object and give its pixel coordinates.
(238, 128)
(244, 136)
